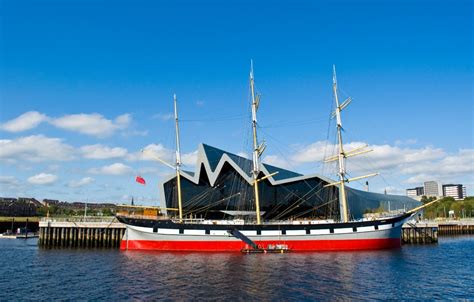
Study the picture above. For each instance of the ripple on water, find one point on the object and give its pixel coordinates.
(414, 272)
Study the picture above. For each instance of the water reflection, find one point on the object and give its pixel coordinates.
(258, 276)
(72, 274)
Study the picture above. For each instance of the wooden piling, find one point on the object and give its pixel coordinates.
(414, 234)
(72, 234)
(456, 229)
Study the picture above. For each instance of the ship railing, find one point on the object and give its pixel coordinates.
(191, 220)
(246, 222)
(79, 219)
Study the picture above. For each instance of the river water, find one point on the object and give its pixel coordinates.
(414, 272)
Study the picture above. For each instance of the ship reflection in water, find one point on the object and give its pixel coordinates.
(264, 276)
(417, 272)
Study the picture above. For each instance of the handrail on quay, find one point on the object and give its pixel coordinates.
(79, 219)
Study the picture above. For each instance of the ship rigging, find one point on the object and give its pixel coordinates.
(239, 234)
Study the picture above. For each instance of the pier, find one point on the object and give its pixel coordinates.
(80, 233)
(419, 233)
(428, 231)
(456, 228)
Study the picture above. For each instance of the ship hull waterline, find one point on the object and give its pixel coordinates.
(168, 236)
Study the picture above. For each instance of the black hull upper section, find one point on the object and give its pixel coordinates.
(169, 224)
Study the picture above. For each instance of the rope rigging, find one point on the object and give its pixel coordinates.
(232, 191)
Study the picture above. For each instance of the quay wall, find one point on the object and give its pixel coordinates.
(450, 227)
(72, 234)
(428, 231)
(14, 223)
(416, 234)
(456, 229)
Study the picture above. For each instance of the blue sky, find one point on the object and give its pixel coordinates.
(97, 80)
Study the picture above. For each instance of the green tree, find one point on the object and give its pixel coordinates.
(425, 199)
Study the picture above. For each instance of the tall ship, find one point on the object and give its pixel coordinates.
(231, 203)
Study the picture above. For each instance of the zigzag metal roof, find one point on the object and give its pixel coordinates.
(214, 159)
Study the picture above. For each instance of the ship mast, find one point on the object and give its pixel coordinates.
(178, 160)
(256, 153)
(342, 154)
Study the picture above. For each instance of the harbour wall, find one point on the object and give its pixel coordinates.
(456, 229)
(428, 231)
(14, 223)
(67, 233)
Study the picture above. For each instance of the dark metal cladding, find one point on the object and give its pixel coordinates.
(222, 181)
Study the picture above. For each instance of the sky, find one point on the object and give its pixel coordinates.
(85, 85)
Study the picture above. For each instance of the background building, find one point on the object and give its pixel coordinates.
(432, 188)
(23, 206)
(416, 192)
(435, 189)
(456, 191)
(221, 186)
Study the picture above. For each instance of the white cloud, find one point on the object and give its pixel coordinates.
(276, 161)
(314, 152)
(418, 178)
(164, 116)
(35, 148)
(9, 182)
(10, 186)
(135, 133)
(42, 179)
(243, 154)
(113, 169)
(53, 168)
(102, 152)
(410, 165)
(91, 124)
(148, 170)
(189, 158)
(26, 121)
(382, 157)
(460, 164)
(386, 157)
(80, 183)
(394, 190)
(123, 120)
(154, 152)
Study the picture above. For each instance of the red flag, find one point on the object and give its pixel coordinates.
(140, 180)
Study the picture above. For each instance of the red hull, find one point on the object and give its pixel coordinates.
(232, 246)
